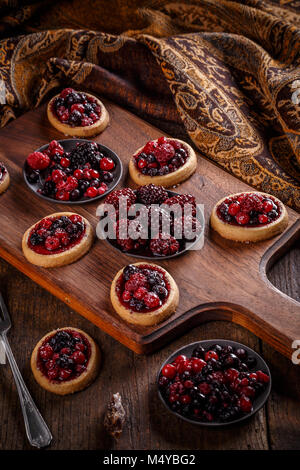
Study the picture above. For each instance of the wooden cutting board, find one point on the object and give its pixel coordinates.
(223, 280)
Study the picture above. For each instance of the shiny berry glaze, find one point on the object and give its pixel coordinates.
(249, 210)
(64, 355)
(2, 171)
(54, 235)
(161, 157)
(216, 384)
(142, 288)
(76, 109)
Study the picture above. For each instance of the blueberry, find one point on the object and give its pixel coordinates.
(129, 270)
(199, 352)
(36, 239)
(74, 195)
(161, 291)
(75, 118)
(107, 176)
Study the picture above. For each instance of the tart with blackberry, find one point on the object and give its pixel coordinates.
(163, 161)
(58, 239)
(249, 217)
(4, 178)
(70, 171)
(77, 113)
(65, 361)
(144, 294)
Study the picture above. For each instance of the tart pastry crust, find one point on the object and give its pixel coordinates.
(74, 385)
(171, 179)
(79, 131)
(65, 257)
(249, 234)
(146, 318)
(5, 181)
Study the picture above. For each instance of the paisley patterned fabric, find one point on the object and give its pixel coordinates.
(224, 74)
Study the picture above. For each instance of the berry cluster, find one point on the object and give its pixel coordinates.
(218, 384)
(85, 172)
(76, 108)
(64, 356)
(2, 170)
(251, 210)
(56, 234)
(160, 157)
(147, 244)
(142, 288)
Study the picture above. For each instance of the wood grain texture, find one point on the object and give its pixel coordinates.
(77, 421)
(230, 276)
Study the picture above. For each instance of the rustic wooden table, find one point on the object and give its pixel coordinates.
(77, 421)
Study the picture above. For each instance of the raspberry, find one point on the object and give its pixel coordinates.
(38, 160)
(113, 197)
(52, 243)
(64, 93)
(181, 199)
(135, 281)
(151, 194)
(164, 153)
(126, 244)
(149, 147)
(163, 246)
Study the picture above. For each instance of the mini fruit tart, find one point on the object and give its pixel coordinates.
(83, 173)
(57, 240)
(4, 178)
(65, 361)
(78, 114)
(164, 161)
(144, 294)
(249, 217)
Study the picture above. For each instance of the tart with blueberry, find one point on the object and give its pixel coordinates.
(4, 178)
(249, 217)
(65, 361)
(57, 240)
(72, 171)
(78, 114)
(163, 161)
(144, 294)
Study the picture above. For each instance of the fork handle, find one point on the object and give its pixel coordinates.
(36, 429)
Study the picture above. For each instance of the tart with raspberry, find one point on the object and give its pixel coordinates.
(249, 217)
(4, 178)
(65, 361)
(77, 113)
(144, 294)
(152, 222)
(163, 161)
(72, 171)
(57, 240)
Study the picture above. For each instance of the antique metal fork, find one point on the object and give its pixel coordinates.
(36, 429)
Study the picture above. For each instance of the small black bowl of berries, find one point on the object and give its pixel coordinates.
(214, 382)
(72, 171)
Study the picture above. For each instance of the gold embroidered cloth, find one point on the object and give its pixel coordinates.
(223, 73)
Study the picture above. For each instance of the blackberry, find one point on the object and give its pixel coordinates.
(88, 108)
(156, 278)
(129, 270)
(59, 102)
(35, 239)
(199, 352)
(137, 304)
(107, 176)
(72, 98)
(161, 291)
(151, 194)
(64, 361)
(75, 118)
(49, 188)
(32, 177)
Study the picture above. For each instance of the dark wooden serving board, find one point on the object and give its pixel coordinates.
(224, 280)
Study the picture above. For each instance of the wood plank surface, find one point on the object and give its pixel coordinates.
(77, 421)
(231, 277)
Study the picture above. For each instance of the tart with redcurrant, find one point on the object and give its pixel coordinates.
(144, 294)
(249, 217)
(70, 170)
(77, 113)
(57, 240)
(4, 178)
(163, 161)
(65, 361)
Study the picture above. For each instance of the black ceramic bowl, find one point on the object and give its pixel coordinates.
(146, 254)
(68, 145)
(260, 365)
